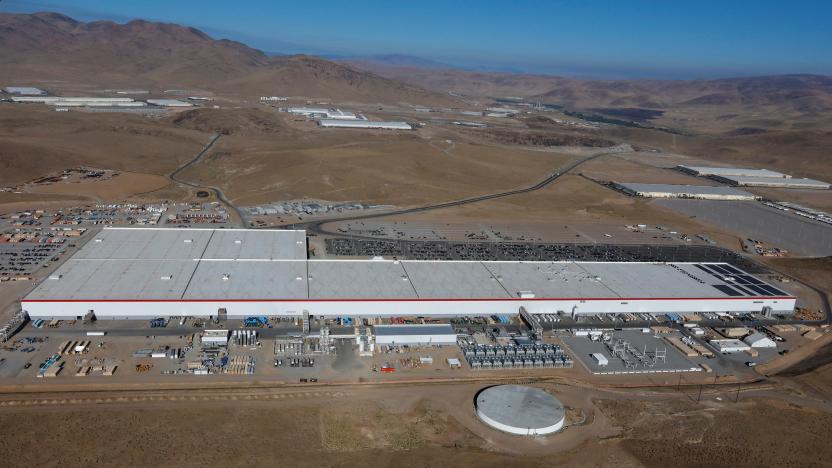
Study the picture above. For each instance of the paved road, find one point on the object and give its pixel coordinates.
(174, 176)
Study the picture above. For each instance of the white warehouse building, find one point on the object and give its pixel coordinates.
(371, 124)
(141, 273)
(706, 171)
(418, 334)
(322, 112)
(699, 192)
(775, 182)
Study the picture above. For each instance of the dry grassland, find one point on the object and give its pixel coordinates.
(398, 169)
(750, 433)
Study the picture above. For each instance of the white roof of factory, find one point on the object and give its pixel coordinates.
(24, 90)
(169, 103)
(685, 189)
(192, 264)
(52, 99)
(190, 244)
(736, 171)
(365, 124)
(308, 110)
(117, 279)
(776, 181)
(248, 280)
(248, 244)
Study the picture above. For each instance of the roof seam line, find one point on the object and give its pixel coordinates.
(409, 281)
(199, 260)
(491, 273)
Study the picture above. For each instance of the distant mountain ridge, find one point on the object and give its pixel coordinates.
(798, 92)
(398, 60)
(50, 46)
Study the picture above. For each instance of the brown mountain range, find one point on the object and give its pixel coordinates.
(44, 47)
(799, 93)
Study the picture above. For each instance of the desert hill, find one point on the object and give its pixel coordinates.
(42, 47)
(811, 94)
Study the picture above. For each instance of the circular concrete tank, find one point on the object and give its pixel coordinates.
(521, 410)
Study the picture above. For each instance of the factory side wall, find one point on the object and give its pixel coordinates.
(386, 308)
(416, 339)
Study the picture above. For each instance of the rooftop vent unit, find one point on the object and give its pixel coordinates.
(98, 239)
(167, 277)
(189, 241)
(525, 294)
(226, 277)
(55, 277)
(238, 241)
(298, 278)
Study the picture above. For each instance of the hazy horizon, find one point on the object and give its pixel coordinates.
(682, 40)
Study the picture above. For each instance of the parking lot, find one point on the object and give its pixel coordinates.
(22, 260)
(799, 235)
(447, 250)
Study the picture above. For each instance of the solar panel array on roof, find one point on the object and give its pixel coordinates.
(739, 282)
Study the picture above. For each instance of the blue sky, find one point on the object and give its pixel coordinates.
(615, 38)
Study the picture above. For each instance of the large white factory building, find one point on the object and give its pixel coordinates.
(139, 273)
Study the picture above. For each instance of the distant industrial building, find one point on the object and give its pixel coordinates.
(169, 103)
(502, 111)
(700, 192)
(80, 101)
(215, 338)
(414, 334)
(774, 182)
(728, 346)
(706, 171)
(759, 340)
(323, 113)
(144, 110)
(743, 177)
(141, 273)
(24, 91)
(600, 359)
(332, 123)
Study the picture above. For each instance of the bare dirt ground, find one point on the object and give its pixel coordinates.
(572, 202)
(684, 433)
(411, 426)
(124, 185)
(35, 141)
(817, 271)
(398, 169)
